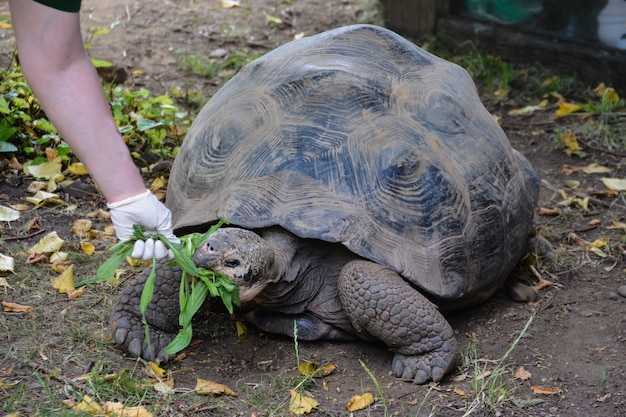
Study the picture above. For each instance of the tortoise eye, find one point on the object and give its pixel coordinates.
(232, 263)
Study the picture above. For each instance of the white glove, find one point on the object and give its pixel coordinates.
(145, 210)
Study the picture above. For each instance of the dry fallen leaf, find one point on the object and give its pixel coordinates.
(158, 183)
(528, 110)
(65, 281)
(7, 214)
(596, 168)
(7, 263)
(598, 243)
(15, 308)
(311, 369)
(48, 244)
(360, 402)
(242, 330)
(116, 409)
(43, 197)
(88, 248)
(89, 406)
(81, 227)
(157, 370)
(78, 169)
(299, 404)
(522, 374)
(571, 143)
(5, 284)
(545, 211)
(209, 387)
(617, 225)
(614, 184)
(45, 170)
(566, 108)
(542, 390)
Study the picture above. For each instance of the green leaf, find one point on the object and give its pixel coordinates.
(148, 290)
(180, 342)
(99, 63)
(4, 106)
(145, 124)
(6, 147)
(106, 271)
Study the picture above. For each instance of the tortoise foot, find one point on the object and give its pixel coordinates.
(161, 317)
(423, 368)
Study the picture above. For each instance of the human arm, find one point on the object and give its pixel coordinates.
(60, 73)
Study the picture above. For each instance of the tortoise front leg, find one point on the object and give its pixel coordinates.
(382, 304)
(162, 314)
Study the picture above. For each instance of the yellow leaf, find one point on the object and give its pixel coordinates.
(610, 95)
(57, 257)
(598, 243)
(7, 263)
(566, 108)
(78, 169)
(209, 387)
(360, 402)
(242, 330)
(48, 244)
(6, 25)
(81, 227)
(74, 294)
(20, 207)
(89, 406)
(308, 368)
(299, 404)
(15, 308)
(615, 184)
(116, 409)
(45, 170)
(158, 371)
(596, 168)
(7, 214)
(88, 248)
(65, 281)
(541, 390)
(158, 183)
(522, 374)
(43, 197)
(571, 143)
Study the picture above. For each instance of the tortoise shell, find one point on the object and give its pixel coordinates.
(359, 137)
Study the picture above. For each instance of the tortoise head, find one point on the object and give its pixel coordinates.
(241, 255)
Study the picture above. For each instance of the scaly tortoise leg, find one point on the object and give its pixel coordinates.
(382, 304)
(162, 314)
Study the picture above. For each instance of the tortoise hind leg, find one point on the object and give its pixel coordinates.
(161, 316)
(381, 304)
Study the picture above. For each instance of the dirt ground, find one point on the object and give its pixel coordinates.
(575, 346)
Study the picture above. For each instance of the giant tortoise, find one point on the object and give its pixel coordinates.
(367, 191)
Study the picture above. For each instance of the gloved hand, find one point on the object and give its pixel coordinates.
(143, 209)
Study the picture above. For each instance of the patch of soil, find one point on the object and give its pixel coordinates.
(575, 345)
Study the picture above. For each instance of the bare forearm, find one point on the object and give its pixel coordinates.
(70, 93)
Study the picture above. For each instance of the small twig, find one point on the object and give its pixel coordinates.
(59, 377)
(25, 236)
(600, 149)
